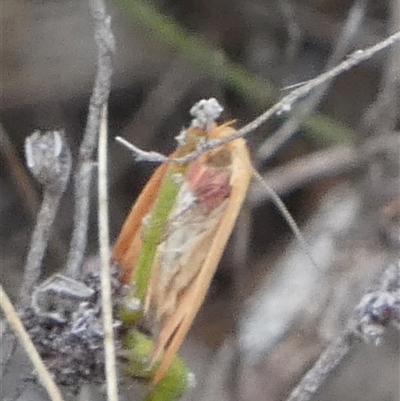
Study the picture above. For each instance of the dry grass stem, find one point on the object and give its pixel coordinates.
(19, 330)
(83, 176)
(104, 244)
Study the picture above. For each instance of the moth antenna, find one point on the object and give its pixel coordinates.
(287, 216)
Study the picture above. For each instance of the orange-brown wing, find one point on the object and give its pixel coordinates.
(128, 244)
(175, 329)
(179, 259)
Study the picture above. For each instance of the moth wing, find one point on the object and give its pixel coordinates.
(174, 332)
(128, 244)
(166, 291)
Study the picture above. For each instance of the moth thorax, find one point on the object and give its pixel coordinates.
(219, 158)
(210, 184)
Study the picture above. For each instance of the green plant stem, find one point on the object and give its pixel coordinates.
(153, 233)
(138, 349)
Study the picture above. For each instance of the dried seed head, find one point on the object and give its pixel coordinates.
(205, 112)
(58, 297)
(49, 159)
(381, 307)
(65, 323)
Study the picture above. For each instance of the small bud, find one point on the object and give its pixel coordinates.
(49, 159)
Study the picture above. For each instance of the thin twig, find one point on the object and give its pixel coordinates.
(20, 332)
(305, 108)
(377, 309)
(231, 74)
(286, 103)
(49, 159)
(105, 44)
(104, 248)
(39, 241)
(282, 106)
(328, 361)
(142, 155)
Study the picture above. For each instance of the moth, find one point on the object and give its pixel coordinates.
(173, 239)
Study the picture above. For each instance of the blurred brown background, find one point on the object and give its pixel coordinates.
(268, 314)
